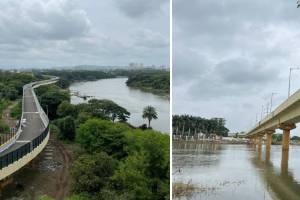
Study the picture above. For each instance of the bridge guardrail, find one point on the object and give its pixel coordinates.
(23, 150)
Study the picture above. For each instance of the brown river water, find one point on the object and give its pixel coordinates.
(236, 172)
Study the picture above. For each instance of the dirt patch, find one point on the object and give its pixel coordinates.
(48, 174)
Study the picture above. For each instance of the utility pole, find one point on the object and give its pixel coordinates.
(262, 112)
(291, 69)
(272, 101)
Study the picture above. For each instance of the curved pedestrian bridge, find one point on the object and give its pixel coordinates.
(32, 135)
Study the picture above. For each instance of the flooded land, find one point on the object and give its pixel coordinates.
(208, 171)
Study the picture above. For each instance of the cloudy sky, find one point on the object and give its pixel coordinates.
(230, 55)
(43, 33)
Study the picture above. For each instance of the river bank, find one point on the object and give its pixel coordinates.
(134, 100)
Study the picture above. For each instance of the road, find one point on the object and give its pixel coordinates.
(33, 125)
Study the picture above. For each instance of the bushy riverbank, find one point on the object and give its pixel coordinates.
(157, 82)
(116, 161)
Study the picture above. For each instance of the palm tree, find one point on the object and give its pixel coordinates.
(149, 113)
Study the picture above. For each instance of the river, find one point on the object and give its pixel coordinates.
(134, 100)
(235, 172)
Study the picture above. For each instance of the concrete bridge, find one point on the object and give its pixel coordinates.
(284, 117)
(32, 135)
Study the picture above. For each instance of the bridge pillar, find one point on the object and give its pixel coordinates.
(284, 162)
(259, 145)
(269, 134)
(286, 135)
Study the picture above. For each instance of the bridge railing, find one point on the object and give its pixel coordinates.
(14, 137)
(23, 150)
(13, 156)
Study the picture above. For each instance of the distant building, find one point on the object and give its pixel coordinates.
(135, 66)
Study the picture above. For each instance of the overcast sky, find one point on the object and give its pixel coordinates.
(43, 33)
(230, 55)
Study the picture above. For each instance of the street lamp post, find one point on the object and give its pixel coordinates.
(271, 103)
(291, 69)
(262, 112)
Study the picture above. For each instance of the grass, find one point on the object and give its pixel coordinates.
(184, 189)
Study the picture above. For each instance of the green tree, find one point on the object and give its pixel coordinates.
(51, 97)
(150, 113)
(145, 172)
(296, 138)
(107, 109)
(66, 108)
(100, 135)
(92, 173)
(82, 117)
(130, 177)
(66, 126)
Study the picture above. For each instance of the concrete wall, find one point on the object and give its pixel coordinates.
(12, 168)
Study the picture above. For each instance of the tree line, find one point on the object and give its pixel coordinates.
(157, 81)
(67, 77)
(193, 125)
(11, 84)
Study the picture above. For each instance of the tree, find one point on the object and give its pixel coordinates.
(149, 113)
(100, 135)
(65, 108)
(145, 172)
(51, 97)
(66, 126)
(107, 109)
(92, 173)
(187, 124)
(296, 138)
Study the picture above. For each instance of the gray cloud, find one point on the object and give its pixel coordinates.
(231, 55)
(241, 71)
(138, 8)
(43, 33)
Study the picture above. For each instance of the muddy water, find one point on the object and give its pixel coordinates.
(234, 172)
(133, 100)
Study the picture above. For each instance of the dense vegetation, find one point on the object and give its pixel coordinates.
(11, 89)
(116, 161)
(191, 125)
(69, 76)
(153, 81)
(11, 84)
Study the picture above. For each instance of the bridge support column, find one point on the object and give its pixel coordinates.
(286, 135)
(269, 134)
(259, 146)
(285, 146)
(284, 162)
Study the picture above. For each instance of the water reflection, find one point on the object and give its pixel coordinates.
(188, 154)
(234, 172)
(281, 184)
